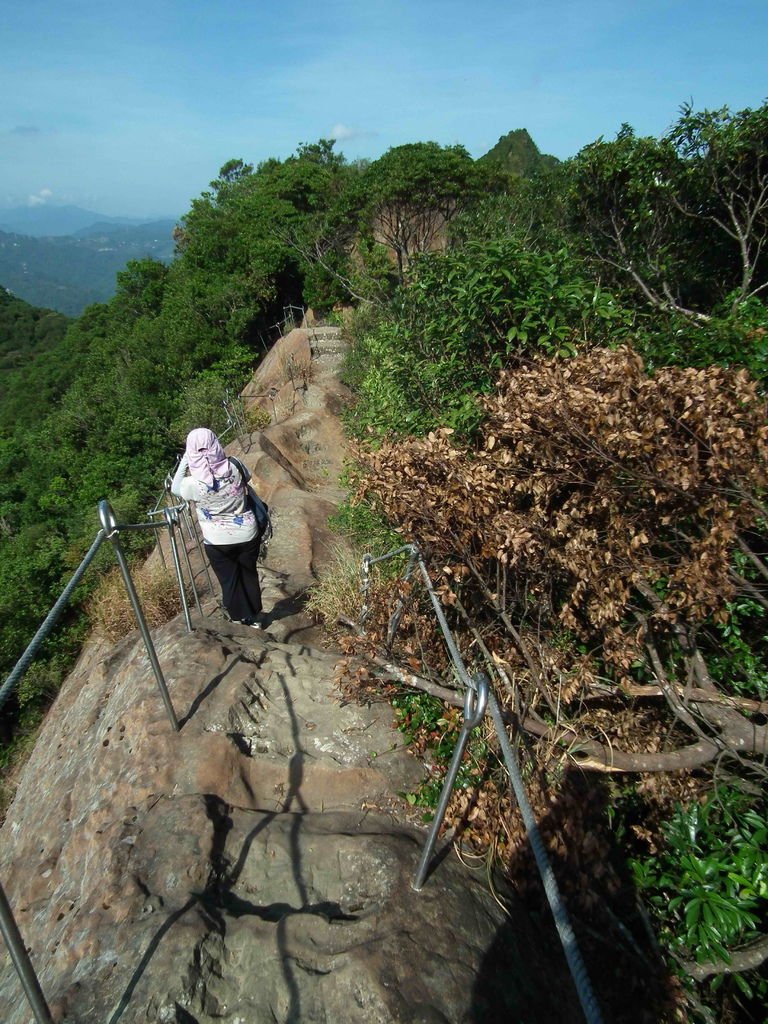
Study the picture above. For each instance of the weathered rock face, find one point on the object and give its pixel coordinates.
(256, 865)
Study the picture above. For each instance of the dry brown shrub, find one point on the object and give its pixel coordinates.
(591, 479)
(109, 608)
(583, 544)
(584, 549)
(297, 371)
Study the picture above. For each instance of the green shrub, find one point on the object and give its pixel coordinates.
(730, 338)
(708, 887)
(364, 527)
(426, 723)
(466, 315)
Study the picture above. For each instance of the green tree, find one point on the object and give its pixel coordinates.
(620, 206)
(723, 185)
(412, 193)
(683, 218)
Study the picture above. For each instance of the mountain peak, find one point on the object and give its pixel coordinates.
(517, 153)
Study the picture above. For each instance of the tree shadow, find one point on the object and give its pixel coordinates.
(204, 694)
(508, 987)
(597, 889)
(292, 606)
(219, 902)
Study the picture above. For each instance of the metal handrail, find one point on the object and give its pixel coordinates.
(173, 516)
(22, 963)
(279, 326)
(477, 693)
(185, 515)
(50, 621)
(475, 703)
(110, 530)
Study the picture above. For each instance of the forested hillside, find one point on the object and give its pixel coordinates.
(25, 331)
(561, 397)
(70, 272)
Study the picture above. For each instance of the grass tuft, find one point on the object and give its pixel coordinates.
(337, 592)
(109, 608)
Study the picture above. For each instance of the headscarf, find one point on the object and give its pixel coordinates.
(205, 456)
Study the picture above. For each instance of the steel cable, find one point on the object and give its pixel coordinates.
(565, 931)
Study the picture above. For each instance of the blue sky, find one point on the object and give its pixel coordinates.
(131, 108)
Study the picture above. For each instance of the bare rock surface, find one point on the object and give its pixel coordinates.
(256, 865)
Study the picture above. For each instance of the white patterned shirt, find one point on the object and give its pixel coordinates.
(222, 511)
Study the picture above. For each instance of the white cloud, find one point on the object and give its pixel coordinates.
(342, 131)
(39, 198)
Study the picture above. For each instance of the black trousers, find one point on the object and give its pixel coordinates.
(235, 568)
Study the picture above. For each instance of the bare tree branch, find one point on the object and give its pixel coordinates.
(747, 959)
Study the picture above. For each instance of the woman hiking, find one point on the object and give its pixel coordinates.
(228, 519)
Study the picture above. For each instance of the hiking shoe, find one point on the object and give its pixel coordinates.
(259, 623)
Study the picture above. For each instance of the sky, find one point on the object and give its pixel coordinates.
(130, 109)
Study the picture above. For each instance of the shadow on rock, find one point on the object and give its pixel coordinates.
(218, 901)
(501, 994)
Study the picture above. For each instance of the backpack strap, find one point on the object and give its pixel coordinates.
(259, 508)
(241, 468)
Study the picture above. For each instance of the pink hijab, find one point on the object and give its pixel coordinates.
(205, 456)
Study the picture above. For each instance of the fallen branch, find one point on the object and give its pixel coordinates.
(754, 559)
(749, 588)
(700, 696)
(747, 959)
(589, 754)
(419, 682)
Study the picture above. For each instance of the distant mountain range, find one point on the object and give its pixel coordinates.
(44, 221)
(517, 152)
(67, 272)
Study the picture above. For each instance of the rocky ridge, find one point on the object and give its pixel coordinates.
(256, 865)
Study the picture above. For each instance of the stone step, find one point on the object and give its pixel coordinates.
(325, 336)
(331, 351)
(325, 344)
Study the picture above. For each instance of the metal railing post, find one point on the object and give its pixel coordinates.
(365, 581)
(170, 518)
(394, 621)
(365, 584)
(22, 963)
(200, 549)
(189, 566)
(162, 556)
(187, 526)
(566, 934)
(475, 702)
(111, 530)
